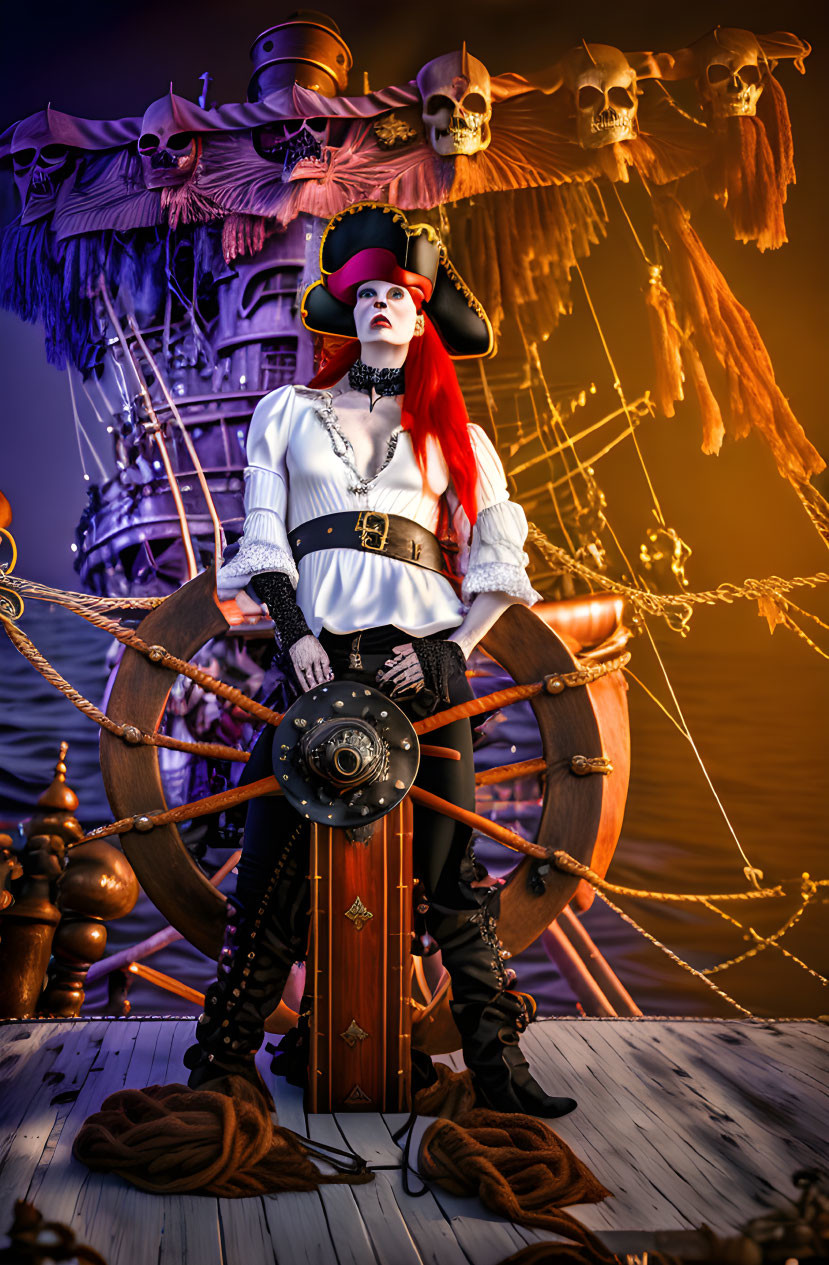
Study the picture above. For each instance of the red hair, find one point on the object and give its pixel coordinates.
(432, 406)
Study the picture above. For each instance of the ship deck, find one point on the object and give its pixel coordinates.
(687, 1122)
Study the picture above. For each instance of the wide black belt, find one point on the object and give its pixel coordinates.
(369, 532)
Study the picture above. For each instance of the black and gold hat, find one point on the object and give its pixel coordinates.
(371, 241)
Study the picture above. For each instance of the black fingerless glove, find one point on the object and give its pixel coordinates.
(276, 591)
(438, 660)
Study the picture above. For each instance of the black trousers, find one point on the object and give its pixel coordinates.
(441, 857)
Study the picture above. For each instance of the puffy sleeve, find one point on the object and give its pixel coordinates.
(263, 545)
(496, 561)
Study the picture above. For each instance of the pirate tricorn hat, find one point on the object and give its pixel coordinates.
(371, 241)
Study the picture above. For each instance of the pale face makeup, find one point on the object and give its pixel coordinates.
(384, 316)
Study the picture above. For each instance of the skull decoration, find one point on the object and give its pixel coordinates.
(296, 143)
(731, 64)
(603, 85)
(39, 158)
(457, 104)
(169, 149)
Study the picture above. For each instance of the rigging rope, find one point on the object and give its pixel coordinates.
(75, 601)
(669, 605)
(570, 865)
(617, 386)
(809, 888)
(129, 733)
(678, 961)
(160, 655)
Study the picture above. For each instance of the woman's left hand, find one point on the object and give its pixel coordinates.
(403, 673)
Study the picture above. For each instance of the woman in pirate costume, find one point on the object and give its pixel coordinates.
(349, 482)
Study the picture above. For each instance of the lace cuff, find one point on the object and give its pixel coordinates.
(252, 558)
(499, 577)
(497, 562)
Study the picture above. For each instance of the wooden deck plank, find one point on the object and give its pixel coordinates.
(30, 1070)
(484, 1237)
(366, 1132)
(246, 1239)
(100, 1209)
(665, 1157)
(432, 1231)
(716, 1157)
(29, 1067)
(619, 1150)
(762, 1114)
(387, 1230)
(34, 1116)
(694, 1138)
(460, 1215)
(299, 1228)
(184, 1034)
(686, 1121)
(758, 1083)
(190, 1232)
(571, 1067)
(693, 1190)
(20, 1037)
(349, 1235)
(806, 1060)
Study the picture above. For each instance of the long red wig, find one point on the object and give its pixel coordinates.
(432, 406)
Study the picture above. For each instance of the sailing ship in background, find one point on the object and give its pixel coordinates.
(165, 255)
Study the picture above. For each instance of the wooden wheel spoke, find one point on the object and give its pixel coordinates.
(500, 833)
(439, 753)
(507, 772)
(186, 812)
(476, 706)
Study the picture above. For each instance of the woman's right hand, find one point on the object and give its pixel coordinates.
(311, 663)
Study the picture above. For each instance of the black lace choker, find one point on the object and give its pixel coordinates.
(375, 382)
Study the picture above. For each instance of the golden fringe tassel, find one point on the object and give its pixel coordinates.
(773, 111)
(518, 249)
(729, 342)
(752, 192)
(713, 427)
(754, 167)
(666, 341)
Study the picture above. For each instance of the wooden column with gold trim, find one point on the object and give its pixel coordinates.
(360, 967)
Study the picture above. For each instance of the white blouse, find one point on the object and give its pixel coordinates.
(301, 466)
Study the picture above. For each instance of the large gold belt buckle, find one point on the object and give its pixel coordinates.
(374, 530)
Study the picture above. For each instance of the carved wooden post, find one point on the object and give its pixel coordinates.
(10, 869)
(28, 925)
(97, 884)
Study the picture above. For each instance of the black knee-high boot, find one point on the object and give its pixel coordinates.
(489, 1016)
(261, 945)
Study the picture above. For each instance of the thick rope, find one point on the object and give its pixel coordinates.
(163, 657)
(158, 654)
(73, 601)
(570, 865)
(129, 733)
(145, 822)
